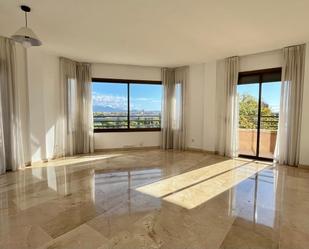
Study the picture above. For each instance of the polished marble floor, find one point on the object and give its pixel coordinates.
(154, 199)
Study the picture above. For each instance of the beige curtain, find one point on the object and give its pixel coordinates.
(227, 110)
(173, 110)
(288, 139)
(74, 129)
(14, 109)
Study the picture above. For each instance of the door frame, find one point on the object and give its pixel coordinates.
(260, 74)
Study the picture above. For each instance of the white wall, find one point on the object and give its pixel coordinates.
(195, 106)
(126, 139)
(210, 117)
(271, 59)
(43, 78)
(101, 70)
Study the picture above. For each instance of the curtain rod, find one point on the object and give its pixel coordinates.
(291, 46)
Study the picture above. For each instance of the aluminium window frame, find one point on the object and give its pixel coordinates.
(127, 82)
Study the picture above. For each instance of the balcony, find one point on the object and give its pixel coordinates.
(268, 136)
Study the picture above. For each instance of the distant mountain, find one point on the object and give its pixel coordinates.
(99, 108)
(136, 110)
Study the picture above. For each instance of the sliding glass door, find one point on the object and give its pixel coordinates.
(259, 101)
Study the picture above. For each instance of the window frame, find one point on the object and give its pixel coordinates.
(260, 74)
(127, 82)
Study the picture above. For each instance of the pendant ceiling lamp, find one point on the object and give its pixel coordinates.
(25, 35)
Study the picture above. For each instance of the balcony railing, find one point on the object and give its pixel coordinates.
(121, 121)
(268, 122)
(268, 135)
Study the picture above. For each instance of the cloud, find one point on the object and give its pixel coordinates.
(113, 101)
(120, 102)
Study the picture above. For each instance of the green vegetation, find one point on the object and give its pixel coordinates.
(248, 113)
(119, 120)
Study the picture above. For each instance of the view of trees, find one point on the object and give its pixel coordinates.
(248, 113)
(138, 119)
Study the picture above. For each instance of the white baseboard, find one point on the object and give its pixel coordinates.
(201, 150)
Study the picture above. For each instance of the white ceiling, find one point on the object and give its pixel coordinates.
(160, 32)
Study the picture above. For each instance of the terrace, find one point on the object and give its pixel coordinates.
(248, 137)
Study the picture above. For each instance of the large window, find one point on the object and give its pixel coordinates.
(126, 105)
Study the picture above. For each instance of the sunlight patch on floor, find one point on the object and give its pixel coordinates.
(68, 161)
(191, 189)
(176, 183)
(198, 194)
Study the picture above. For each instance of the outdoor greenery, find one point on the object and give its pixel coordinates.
(248, 113)
(119, 120)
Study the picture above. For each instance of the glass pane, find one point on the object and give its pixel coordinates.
(270, 105)
(248, 96)
(110, 105)
(145, 105)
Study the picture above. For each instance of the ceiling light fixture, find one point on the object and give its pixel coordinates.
(25, 35)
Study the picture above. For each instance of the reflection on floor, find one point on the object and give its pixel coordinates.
(155, 199)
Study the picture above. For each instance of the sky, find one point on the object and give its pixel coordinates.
(114, 95)
(148, 97)
(271, 93)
